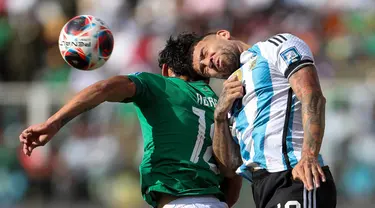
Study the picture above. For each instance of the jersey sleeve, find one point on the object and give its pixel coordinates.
(292, 54)
(147, 87)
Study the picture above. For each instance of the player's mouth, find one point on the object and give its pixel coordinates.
(218, 64)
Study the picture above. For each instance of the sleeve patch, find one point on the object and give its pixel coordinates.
(291, 55)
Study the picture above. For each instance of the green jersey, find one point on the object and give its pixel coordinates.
(177, 124)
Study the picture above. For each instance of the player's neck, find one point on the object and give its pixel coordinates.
(185, 78)
(242, 46)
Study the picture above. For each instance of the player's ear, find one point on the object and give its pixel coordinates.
(164, 70)
(223, 34)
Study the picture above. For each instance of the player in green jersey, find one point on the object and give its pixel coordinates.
(175, 110)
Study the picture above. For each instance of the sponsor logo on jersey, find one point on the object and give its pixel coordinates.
(205, 89)
(291, 55)
(237, 73)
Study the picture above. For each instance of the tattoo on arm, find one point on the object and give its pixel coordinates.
(226, 151)
(314, 114)
(306, 86)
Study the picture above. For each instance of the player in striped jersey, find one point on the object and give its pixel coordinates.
(277, 109)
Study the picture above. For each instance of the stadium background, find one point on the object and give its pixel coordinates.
(93, 161)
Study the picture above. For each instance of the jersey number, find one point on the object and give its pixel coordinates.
(200, 141)
(296, 204)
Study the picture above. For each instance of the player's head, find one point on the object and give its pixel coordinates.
(174, 59)
(216, 55)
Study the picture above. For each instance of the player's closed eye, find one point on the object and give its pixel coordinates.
(202, 57)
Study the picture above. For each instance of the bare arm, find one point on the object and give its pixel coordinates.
(226, 151)
(306, 86)
(231, 187)
(114, 89)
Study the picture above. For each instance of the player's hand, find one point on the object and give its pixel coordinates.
(232, 90)
(309, 171)
(37, 135)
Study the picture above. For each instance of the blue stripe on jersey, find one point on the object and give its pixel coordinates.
(264, 92)
(241, 126)
(289, 143)
(244, 153)
(245, 173)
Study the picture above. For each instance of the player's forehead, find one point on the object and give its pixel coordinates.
(203, 43)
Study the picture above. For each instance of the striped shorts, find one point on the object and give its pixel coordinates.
(279, 190)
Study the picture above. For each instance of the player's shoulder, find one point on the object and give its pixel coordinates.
(147, 77)
(283, 44)
(144, 74)
(280, 39)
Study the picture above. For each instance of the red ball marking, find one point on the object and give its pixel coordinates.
(86, 34)
(87, 21)
(106, 43)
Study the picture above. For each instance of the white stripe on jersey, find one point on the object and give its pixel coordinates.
(273, 143)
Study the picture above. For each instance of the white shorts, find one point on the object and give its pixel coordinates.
(196, 202)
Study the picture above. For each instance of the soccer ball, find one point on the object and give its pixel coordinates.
(85, 42)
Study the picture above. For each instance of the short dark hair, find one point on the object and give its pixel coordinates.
(176, 55)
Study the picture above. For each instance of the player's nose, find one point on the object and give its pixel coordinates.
(208, 61)
(205, 62)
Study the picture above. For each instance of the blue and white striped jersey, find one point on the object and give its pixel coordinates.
(267, 123)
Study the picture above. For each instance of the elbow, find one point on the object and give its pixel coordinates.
(321, 102)
(229, 173)
(227, 163)
(321, 98)
(314, 100)
(228, 169)
(226, 166)
(235, 163)
(324, 100)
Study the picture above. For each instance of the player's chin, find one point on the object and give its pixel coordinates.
(227, 69)
(221, 75)
(224, 73)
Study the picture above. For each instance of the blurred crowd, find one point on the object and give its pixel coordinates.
(94, 159)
